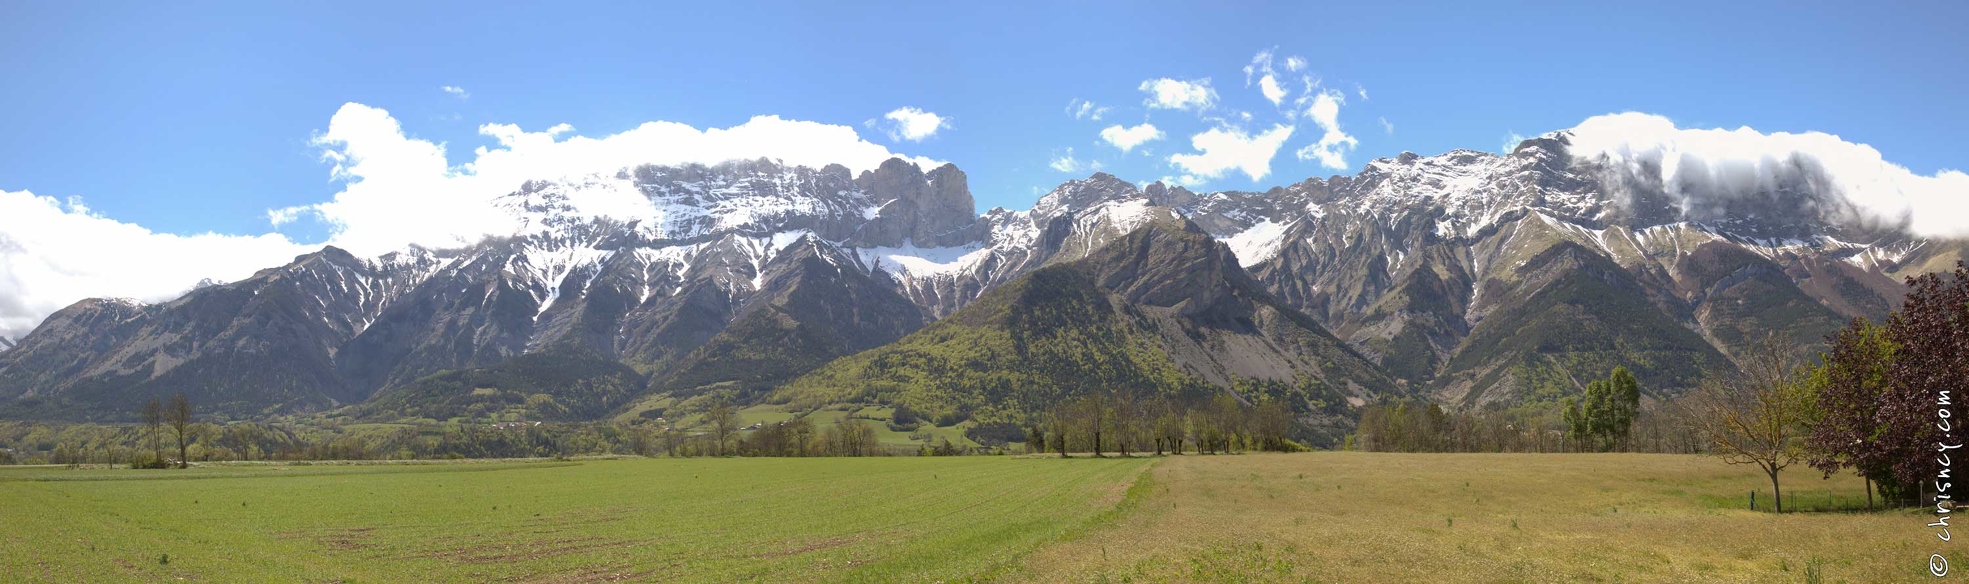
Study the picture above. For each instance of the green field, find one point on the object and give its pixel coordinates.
(842, 519)
(1323, 517)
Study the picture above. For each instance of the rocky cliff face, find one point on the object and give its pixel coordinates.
(917, 209)
(1423, 266)
(1163, 311)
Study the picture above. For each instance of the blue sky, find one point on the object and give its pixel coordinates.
(192, 118)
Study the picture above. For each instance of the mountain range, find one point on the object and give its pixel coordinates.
(1470, 278)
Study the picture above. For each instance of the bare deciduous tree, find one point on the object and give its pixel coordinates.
(153, 428)
(1757, 415)
(178, 415)
(724, 422)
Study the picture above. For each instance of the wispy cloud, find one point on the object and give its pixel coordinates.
(1511, 140)
(1268, 83)
(1082, 109)
(1067, 163)
(456, 91)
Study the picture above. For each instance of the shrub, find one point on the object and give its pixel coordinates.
(996, 433)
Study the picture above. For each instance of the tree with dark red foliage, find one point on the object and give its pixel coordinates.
(1922, 407)
(1851, 382)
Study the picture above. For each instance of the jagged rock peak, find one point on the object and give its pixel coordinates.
(1083, 193)
(928, 210)
(1168, 196)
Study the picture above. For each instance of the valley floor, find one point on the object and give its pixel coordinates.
(1380, 517)
(1330, 516)
(660, 520)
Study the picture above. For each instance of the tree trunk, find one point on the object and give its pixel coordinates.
(1869, 493)
(1777, 497)
(1097, 444)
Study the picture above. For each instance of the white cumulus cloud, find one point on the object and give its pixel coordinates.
(1223, 149)
(1128, 138)
(1704, 167)
(54, 253)
(1269, 86)
(1166, 93)
(1332, 148)
(398, 190)
(456, 91)
(908, 123)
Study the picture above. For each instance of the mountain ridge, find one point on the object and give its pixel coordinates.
(1404, 262)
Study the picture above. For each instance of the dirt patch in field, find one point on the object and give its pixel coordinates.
(812, 547)
(525, 551)
(825, 544)
(1113, 494)
(345, 539)
(612, 574)
(563, 521)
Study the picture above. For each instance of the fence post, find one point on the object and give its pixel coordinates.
(1753, 500)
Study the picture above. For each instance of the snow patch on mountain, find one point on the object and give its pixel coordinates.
(545, 270)
(910, 261)
(1259, 243)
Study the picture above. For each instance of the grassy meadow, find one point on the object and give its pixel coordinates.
(1319, 517)
(756, 519)
(1385, 517)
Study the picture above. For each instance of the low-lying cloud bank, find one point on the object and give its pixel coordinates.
(53, 253)
(396, 191)
(1703, 169)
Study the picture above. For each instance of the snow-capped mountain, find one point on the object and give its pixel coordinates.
(1477, 276)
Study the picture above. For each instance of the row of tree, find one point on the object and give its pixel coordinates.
(1112, 421)
(1609, 416)
(795, 437)
(1420, 426)
(134, 445)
